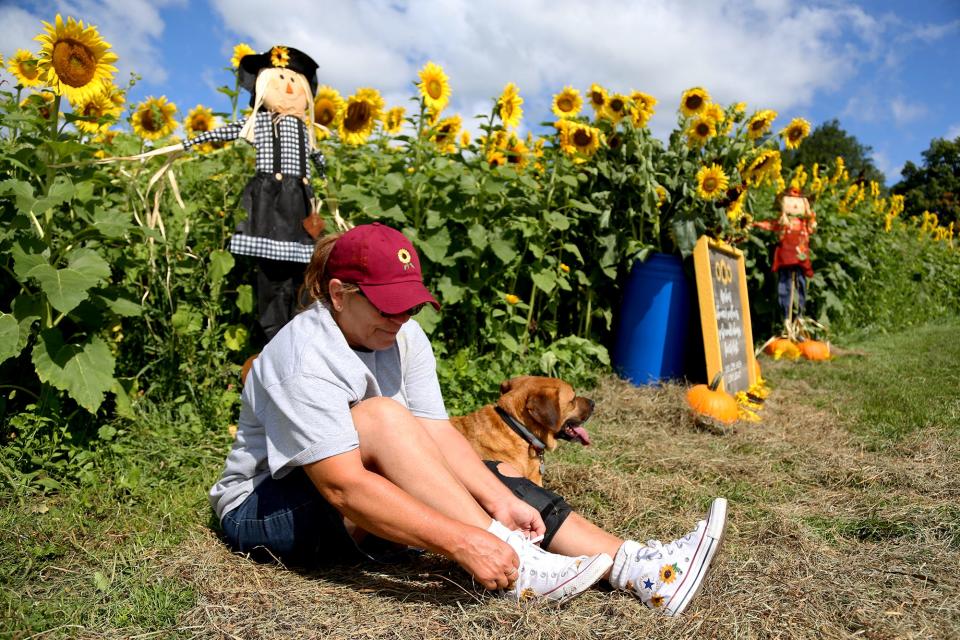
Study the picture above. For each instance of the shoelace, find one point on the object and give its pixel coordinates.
(657, 546)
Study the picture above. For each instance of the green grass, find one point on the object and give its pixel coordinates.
(906, 382)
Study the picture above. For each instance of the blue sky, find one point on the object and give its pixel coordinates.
(887, 69)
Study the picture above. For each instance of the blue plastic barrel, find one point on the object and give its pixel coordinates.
(652, 334)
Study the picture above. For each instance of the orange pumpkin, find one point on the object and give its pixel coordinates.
(707, 400)
(815, 350)
(782, 347)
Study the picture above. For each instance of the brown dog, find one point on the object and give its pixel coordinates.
(542, 410)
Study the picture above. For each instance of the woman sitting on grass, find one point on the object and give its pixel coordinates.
(343, 443)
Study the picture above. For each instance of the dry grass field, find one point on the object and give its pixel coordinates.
(844, 523)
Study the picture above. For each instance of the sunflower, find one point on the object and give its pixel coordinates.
(465, 139)
(199, 119)
(580, 139)
(764, 167)
(41, 101)
(23, 66)
(661, 196)
(760, 123)
(598, 98)
(509, 105)
(445, 134)
(434, 87)
(796, 131)
(567, 103)
(616, 107)
(511, 299)
(74, 60)
(642, 109)
(668, 573)
(116, 95)
(103, 139)
(711, 182)
(280, 56)
(98, 112)
(240, 51)
(518, 154)
(693, 101)
(735, 208)
(362, 111)
(656, 601)
(153, 118)
(393, 121)
(714, 113)
(327, 107)
(700, 130)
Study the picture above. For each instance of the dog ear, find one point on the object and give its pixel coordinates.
(544, 407)
(507, 385)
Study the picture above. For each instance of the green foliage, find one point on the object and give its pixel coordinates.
(935, 185)
(118, 288)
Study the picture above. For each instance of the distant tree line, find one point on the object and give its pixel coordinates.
(933, 186)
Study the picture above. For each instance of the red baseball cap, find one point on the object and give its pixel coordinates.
(383, 263)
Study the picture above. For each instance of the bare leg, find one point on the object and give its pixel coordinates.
(395, 446)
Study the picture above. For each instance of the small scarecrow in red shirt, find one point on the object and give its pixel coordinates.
(791, 258)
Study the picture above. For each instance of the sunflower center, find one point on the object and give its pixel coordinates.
(616, 105)
(694, 102)
(151, 120)
(74, 63)
(358, 114)
(434, 88)
(757, 125)
(581, 138)
(703, 129)
(565, 104)
(794, 134)
(710, 184)
(597, 98)
(28, 69)
(324, 115)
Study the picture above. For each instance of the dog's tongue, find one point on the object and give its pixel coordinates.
(581, 435)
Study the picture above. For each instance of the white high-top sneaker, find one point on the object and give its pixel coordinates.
(552, 576)
(666, 577)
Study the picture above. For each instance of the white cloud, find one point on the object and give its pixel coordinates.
(768, 53)
(904, 112)
(953, 132)
(889, 169)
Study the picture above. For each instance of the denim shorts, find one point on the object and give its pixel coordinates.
(288, 520)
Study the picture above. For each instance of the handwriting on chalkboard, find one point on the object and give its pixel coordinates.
(724, 314)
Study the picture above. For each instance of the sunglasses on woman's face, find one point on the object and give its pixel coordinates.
(412, 311)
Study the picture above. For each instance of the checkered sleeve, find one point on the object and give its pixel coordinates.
(320, 163)
(225, 133)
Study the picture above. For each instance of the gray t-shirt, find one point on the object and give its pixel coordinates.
(298, 395)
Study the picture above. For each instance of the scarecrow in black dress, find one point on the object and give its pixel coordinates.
(281, 227)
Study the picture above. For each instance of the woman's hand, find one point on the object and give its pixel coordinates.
(491, 562)
(516, 514)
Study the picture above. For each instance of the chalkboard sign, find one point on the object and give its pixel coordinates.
(725, 314)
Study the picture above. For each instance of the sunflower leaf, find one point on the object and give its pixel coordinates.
(84, 371)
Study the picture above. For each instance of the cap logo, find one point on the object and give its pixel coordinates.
(279, 56)
(404, 257)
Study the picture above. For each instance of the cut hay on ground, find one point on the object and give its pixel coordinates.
(826, 539)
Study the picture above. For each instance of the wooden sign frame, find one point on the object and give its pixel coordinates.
(717, 346)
